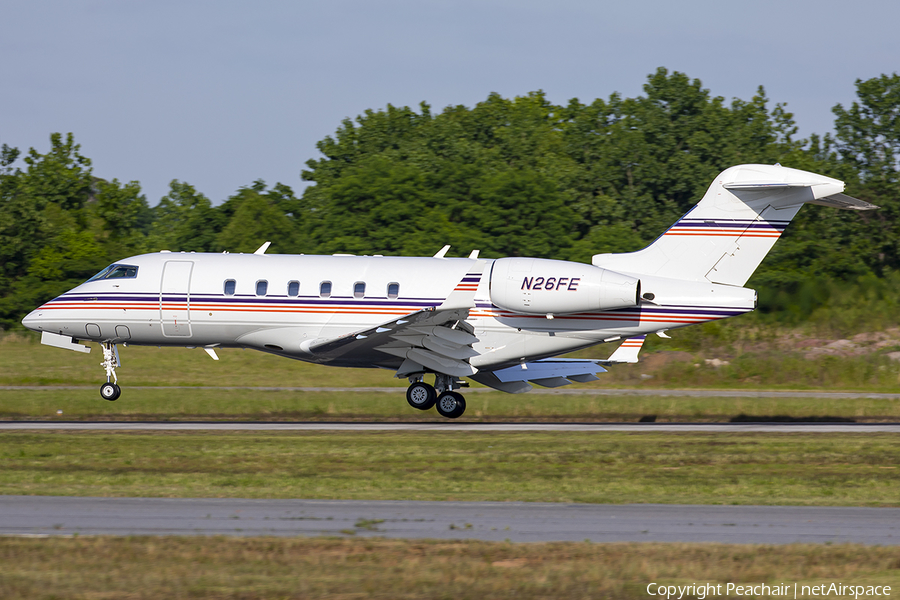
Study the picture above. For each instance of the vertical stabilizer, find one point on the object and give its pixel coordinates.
(728, 233)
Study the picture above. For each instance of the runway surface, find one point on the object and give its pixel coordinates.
(450, 426)
(515, 521)
(553, 391)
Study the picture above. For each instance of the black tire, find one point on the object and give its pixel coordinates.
(421, 395)
(110, 391)
(451, 405)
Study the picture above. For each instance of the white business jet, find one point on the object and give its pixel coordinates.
(498, 322)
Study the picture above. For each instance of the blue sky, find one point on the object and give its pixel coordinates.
(221, 93)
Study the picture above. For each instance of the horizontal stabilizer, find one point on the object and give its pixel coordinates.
(549, 372)
(761, 187)
(844, 201)
(834, 201)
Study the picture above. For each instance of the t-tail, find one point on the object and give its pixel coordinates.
(729, 232)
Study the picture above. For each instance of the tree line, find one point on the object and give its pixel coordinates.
(509, 176)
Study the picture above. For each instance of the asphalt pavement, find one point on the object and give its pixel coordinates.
(447, 425)
(497, 521)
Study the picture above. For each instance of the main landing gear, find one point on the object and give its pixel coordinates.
(110, 390)
(422, 396)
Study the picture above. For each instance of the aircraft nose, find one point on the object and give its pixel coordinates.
(33, 320)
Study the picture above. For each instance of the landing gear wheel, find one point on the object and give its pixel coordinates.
(421, 395)
(110, 391)
(451, 405)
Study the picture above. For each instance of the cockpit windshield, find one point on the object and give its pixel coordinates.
(116, 271)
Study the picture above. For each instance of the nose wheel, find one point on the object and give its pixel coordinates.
(110, 390)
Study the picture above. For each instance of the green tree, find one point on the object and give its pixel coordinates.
(868, 132)
(8, 156)
(647, 160)
(613, 173)
(184, 220)
(124, 217)
(509, 176)
(520, 213)
(258, 217)
(47, 243)
(822, 245)
(61, 177)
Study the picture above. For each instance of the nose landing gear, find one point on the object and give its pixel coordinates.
(422, 396)
(110, 390)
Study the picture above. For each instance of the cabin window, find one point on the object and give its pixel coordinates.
(262, 286)
(359, 289)
(229, 287)
(293, 288)
(325, 289)
(116, 272)
(393, 290)
(101, 274)
(122, 272)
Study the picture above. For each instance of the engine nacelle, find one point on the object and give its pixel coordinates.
(541, 286)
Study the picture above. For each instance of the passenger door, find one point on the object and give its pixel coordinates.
(175, 298)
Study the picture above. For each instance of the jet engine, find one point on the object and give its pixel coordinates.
(541, 286)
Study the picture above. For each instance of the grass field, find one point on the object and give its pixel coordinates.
(228, 568)
(24, 361)
(275, 405)
(680, 468)
(792, 469)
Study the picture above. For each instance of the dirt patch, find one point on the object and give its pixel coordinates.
(660, 359)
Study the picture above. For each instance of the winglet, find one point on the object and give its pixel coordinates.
(628, 351)
(463, 295)
(262, 249)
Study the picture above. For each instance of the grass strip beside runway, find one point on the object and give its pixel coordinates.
(671, 468)
(150, 404)
(24, 361)
(226, 568)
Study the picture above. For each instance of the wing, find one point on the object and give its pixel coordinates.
(428, 339)
(436, 338)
